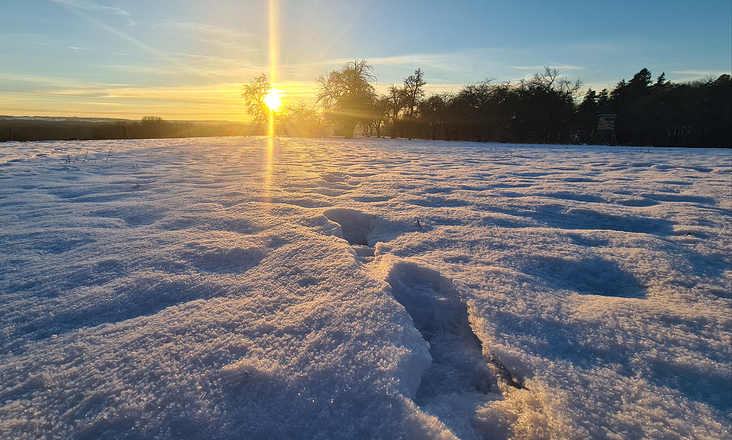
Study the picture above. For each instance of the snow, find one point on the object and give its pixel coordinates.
(234, 288)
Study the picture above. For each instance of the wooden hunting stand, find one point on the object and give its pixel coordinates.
(605, 134)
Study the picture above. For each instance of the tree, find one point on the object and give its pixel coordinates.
(413, 94)
(395, 99)
(633, 90)
(413, 91)
(254, 93)
(719, 103)
(547, 101)
(603, 101)
(433, 111)
(589, 103)
(302, 119)
(632, 101)
(472, 112)
(153, 127)
(379, 113)
(347, 94)
(640, 83)
(661, 82)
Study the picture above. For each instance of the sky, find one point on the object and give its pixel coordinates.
(187, 60)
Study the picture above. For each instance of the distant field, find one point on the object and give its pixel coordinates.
(43, 129)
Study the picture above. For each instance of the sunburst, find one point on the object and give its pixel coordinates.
(273, 99)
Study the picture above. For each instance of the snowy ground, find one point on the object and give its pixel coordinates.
(231, 289)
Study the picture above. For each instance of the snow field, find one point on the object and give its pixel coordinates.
(236, 288)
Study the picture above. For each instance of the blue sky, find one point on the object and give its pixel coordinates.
(187, 59)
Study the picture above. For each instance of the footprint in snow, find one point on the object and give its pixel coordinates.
(458, 365)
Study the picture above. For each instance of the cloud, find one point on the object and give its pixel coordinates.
(37, 80)
(199, 69)
(226, 37)
(698, 74)
(76, 6)
(92, 6)
(207, 29)
(540, 69)
(449, 62)
(53, 97)
(460, 66)
(82, 48)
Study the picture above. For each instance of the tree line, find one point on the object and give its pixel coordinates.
(546, 108)
(39, 129)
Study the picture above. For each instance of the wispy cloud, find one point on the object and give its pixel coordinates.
(199, 69)
(92, 6)
(466, 65)
(74, 6)
(207, 29)
(698, 74)
(38, 80)
(447, 62)
(82, 48)
(538, 68)
(226, 37)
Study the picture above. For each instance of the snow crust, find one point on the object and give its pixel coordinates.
(234, 288)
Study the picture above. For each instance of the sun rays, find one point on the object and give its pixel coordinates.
(273, 99)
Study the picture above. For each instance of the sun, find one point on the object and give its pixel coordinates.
(273, 99)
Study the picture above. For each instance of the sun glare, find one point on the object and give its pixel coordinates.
(273, 99)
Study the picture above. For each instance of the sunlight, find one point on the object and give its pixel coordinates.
(273, 46)
(273, 99)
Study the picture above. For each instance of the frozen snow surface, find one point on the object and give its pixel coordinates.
(246, 288)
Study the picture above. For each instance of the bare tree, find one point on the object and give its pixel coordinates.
(433, 111)
(413, 91)
(395, 103)
(413, 95)
(254, 93)
(379, 114)
(303, 119)
(551, 81)
(347, 94)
